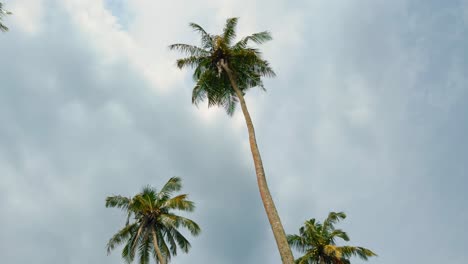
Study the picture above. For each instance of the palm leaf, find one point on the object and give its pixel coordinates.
(118, 201)
(361, 252)
(121, 236)
(189, 49)
(206, 39)
(172, 185)
(332, 219)
(258, 38)
(298, 243)
(179, 202)
(144, 250)
(229, 32)
(183, 243)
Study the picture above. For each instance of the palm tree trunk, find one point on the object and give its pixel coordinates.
(268, 204)
(162, 260)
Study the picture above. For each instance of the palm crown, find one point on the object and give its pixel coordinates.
(246, 63)
(317, 241)
(151, 225)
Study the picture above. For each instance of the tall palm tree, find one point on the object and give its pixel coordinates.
(153, 223)
(3, 13)
(317, 242)
(223, 72)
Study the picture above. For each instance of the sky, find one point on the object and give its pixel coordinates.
(367, 115)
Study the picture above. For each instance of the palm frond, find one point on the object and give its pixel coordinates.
(144, 250)
(206, 39)
(126, 253)
(339, 233)
(118, 201)
(298, 243)
(3, 27)
(332, 219)
(216, 89)
(171, 240)
(163, 246)
(192, 62)
(179, 202)
(258, 38)
(229, 32)
(361, 252)
(189, 49)
(198, 94)
(183, 243)
(332, 251)
(174, 184)
(187, 223)
(121, 236)
(306, 259)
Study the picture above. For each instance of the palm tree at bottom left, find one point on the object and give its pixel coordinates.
(152, 228)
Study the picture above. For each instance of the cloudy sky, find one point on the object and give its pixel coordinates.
(367, 115)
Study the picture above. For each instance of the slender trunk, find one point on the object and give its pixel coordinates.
(268, 204)
(162, 260)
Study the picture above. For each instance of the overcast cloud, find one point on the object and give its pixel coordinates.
(368, 115)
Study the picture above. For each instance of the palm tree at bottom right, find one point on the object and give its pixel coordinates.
(317, 242)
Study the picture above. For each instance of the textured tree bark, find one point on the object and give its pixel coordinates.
(162, 260)
(273, 217)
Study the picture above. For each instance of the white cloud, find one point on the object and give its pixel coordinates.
(94, 107)
(28, 15)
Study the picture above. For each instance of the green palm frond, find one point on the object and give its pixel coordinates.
(189, 50)
(182, 242)
(332, 219)
(206, 39)
(120, 237)
(126, 253)
(339, 233)
(229, 32)
(163, 246)
(298, 243)
(118, 201)
(179, 202)
(174, 184)
(199, 93)
(306, 259)
(360, 252)
(144, 249)
(185, 222)
(257, 38)
(190, 62)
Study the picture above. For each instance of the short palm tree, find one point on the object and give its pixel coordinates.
(317, 242)
(152, 225)
(3, 13)
(224, 71)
